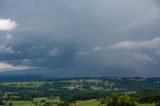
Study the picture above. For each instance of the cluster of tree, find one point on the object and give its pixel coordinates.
(158, 104)
(116, 100)
(83, 95)
(150, 99)
(1, 101)
(148, 96)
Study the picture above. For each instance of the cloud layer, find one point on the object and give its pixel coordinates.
(9, 67)
(141, 50)
(82, 38)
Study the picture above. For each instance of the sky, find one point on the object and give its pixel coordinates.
(70, 38)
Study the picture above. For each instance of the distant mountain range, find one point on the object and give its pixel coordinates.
(38, 74)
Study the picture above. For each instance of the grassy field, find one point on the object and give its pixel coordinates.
(146, 105)
(93, 102)
(22, 103)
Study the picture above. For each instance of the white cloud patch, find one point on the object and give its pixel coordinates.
(54, 52)
(26, 61)
(83, 53)
(153, 44)
(9, 36)
(5, 65)
(10, 67)
(7, 24)
(6, 49)
(97, 48)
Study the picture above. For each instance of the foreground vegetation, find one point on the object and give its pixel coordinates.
(92, 102)
(81, 92)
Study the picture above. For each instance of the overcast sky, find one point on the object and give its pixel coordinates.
(81, 37)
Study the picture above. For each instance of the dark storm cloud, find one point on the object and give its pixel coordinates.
(74, 38)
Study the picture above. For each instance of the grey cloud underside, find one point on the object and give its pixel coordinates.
(157, 2)
(71, 38)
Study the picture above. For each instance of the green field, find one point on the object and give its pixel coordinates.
(23, 103)
(146, 105)
(93, 102)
